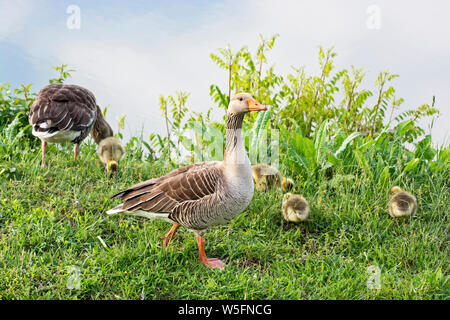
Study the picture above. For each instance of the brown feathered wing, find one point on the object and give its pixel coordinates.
(162, 195)
(63, 107)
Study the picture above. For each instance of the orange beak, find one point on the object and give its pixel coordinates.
(254, 105)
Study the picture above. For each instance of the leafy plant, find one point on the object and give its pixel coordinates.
(63, 74)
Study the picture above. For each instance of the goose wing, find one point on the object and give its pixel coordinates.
(61, 107)
(162, 195)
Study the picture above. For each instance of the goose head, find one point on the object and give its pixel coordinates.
(242, 103)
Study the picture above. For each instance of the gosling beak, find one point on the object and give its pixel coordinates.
(254, 105)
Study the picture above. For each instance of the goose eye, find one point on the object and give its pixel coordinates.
(240, 99)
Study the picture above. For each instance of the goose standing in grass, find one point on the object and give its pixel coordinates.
(295, 208)
(110, 151)
(62, 113)
(267, 177)
(200, 195)
(401, 203)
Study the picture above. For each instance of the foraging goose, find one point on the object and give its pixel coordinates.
(266, 177)
(295, 208)
(200, 195)
(110, 151)
(63, 112)
(401, 203)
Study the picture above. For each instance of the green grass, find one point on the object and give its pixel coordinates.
(50, 220)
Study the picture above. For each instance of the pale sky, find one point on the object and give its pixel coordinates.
(130, 52)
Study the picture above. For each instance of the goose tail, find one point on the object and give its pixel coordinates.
(115, 210)
(140, 213)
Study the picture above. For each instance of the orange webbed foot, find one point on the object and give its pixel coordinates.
(208, 262)
(214, 263)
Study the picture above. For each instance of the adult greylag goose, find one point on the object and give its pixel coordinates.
(200, 195)
(295, 208)
(63, 112)
(110, 151)
(401, 203)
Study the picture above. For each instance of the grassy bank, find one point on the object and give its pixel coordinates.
(50, 220)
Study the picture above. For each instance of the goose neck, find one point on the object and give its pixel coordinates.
(235, 153)
(101, 129)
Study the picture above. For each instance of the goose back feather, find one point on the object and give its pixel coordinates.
(63, 112)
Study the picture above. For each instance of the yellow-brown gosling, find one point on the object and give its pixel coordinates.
(267, 177)
(264, 176)
(401, 203)
(110, 151)
(286, 184)
(295, 208)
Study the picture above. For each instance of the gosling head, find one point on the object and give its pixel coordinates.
(110, 152)
(287, 196)
(394, 190)
(287, 184)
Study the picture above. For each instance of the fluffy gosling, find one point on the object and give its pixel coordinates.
(401, 203)
(286, 184)
(110, 151)
(295, 208)
(266, 177)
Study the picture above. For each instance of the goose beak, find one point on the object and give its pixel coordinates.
(254, 105)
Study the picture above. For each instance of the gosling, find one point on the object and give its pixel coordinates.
(266, 177)
(286, 184)
(295, 208)
(401, 203)
(110, 151)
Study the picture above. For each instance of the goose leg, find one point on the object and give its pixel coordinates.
(76, 150)
(209, 262)
(170, 235)
(43, 148)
